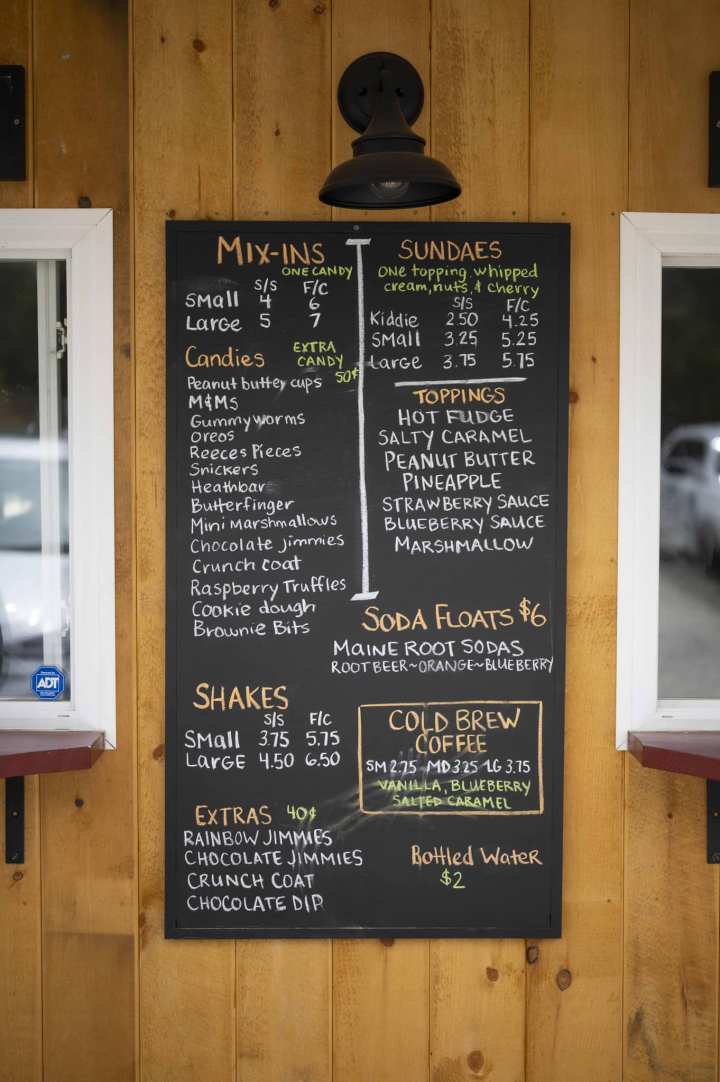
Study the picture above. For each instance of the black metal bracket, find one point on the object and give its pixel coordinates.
(360, 81)
(713, 821)
(12, 122)
(714, 131)
(15, 821)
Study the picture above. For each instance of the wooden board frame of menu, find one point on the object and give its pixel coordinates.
(554, 740)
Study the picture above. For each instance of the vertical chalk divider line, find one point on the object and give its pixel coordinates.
(365, 593)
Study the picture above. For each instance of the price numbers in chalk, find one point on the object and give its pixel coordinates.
(415, 767)
(519, 335)
(461, 314)
(532, 613)
(300, 813)
(273, 738)
(321, 740)
(265, 287)
(313, 291)
(461, 335)
(276, 760)
(452, 879)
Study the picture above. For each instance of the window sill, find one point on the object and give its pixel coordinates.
(24, 752)
(696, 753)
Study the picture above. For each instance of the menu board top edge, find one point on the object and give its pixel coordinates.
(273, 225)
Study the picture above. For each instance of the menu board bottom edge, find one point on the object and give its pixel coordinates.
(374, 933)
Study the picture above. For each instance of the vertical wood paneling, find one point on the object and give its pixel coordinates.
(182, 153)
(671, 930)
(477, 1010)
(480, 105)
(480, 115)
(673, 49)
(671, 907)
(284, 1010)
(378, 983)
(578, 174)
(283, 102)
(20, 887)
(17, 42)
(16, 48)
(88, 819)
(381, 1003)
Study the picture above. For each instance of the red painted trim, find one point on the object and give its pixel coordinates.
(696, 753)
(48, 753)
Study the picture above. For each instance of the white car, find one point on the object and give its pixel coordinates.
(690, 494)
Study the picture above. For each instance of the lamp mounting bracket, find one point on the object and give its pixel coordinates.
(356, 90)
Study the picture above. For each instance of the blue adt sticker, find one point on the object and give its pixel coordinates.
(48, 682)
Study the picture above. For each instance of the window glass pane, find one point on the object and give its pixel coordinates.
(689, 643)
(34, 541)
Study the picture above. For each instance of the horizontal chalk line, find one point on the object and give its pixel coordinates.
(444, 382)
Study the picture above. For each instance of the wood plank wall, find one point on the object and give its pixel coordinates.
(553, 110)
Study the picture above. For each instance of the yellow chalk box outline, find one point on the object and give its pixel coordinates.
(455, 702)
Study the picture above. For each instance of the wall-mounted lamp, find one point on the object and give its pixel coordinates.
(381, 95)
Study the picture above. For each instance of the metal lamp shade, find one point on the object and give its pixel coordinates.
(389, 179)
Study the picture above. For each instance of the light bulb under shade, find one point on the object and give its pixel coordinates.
(389, 191)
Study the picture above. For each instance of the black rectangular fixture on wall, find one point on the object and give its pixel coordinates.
(714, 132)
(12, 122)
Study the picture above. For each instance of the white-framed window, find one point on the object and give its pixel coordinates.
(668, 644)
(57, 550)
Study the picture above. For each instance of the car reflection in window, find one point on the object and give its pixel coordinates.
(690, 495)
(31, 613)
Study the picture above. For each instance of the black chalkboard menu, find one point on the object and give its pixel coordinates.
(366, 519)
